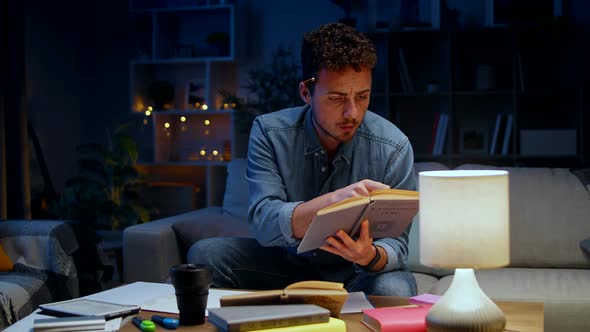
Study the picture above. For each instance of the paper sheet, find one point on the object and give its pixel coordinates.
(168, 303)
(160, 297)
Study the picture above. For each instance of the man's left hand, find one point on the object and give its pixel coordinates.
(359, 251)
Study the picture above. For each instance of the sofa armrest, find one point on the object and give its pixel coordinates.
(150, 249)
(43, 248)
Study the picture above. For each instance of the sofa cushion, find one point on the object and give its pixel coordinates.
(235, 198)
(549, 211)
(208, 222)
(5, 261)
(529, 284)
(585, 246)
(584, 175)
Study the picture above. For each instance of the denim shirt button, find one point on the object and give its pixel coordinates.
(323, 169)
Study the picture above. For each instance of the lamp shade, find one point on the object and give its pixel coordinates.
(464, 219)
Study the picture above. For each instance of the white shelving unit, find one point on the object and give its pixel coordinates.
(186, 47)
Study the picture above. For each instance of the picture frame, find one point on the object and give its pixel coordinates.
(474, 139)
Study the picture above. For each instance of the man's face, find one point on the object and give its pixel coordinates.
(340, 100)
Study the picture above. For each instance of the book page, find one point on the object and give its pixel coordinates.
(390, 218)
(317, 284)
(394, 194)
(344, 204)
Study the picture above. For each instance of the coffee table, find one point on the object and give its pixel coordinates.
(520, 316)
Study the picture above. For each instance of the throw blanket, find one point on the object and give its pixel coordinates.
(44, 269)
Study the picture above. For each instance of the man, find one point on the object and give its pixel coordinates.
(305, 158)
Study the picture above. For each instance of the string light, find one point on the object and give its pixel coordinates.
(183, 118)
(215, 152)
(166, 124)
(207, 122)
(204, 107)
(202, 152)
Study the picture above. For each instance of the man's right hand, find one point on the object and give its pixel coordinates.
(304, 212)
(361, 188)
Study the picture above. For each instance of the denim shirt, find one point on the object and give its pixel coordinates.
(287, 166)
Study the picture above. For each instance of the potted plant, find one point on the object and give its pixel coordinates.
(104, 192)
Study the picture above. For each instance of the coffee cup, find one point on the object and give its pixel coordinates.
(191, 285)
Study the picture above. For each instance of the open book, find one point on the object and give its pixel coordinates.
(326, 294)
(389, 211)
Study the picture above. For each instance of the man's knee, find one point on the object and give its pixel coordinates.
(204, 251)
(398, 283)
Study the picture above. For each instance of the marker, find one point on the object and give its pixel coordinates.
(145, 325)
(167, 322)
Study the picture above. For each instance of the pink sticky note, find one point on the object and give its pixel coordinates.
(424, 299)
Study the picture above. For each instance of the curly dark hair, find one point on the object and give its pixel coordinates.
(335, 46)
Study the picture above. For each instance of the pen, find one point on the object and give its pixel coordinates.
(145, 325)
(166, 322)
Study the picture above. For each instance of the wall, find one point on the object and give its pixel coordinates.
(78, 76)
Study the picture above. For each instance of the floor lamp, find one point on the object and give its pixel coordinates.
(464, 224)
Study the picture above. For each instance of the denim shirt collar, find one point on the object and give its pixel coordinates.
(312, 142)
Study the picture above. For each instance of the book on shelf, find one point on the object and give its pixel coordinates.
(434, 132)
(248, 318)
(441, 134)
(389, 212)
(410, 318)
(405, 73)
(507, 133)
(496, 134)
(326, 294)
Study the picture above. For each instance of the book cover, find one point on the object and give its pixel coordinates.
(328, 295)
(248, 318)
(389, 211)
(333, 325)
(410, 318)
(74, 323)
(495, 134)
(434, 133)
(507, 133)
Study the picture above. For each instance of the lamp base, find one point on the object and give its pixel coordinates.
(465, 307)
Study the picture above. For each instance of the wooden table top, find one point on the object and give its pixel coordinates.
(520, 316)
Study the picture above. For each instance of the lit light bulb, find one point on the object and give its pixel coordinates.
(204, 107)
(183, 118)
(225, 106)
(207, 122)
(215, 152)
(167, 125)
(202, 152)
(233, 105)
(149, 108)
(148, 113)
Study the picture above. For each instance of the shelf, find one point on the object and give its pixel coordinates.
(179, 8)
(185, 60)
(184, 57)
(480, 76)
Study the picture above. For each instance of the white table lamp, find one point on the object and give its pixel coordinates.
(464, 224)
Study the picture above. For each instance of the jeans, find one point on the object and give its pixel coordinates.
(243, 263)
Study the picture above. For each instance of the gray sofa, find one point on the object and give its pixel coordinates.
(44, 269)
(550, 218)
